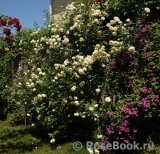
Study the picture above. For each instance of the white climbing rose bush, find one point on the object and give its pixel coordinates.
(66, 65)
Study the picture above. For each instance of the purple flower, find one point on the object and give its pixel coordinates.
(143, 30)
(146, 90)
(129, 110)
(104, 141)
(125, 123)
(132, 81)
(109, 113)
(145, 103)
(123, 129)
(142, 40)
(147, 55)
(126, 141)
(155, 98)
(141, 25)
(136, 36)
(109, 130)
(134, 130)
(135, 91)
(104, 148)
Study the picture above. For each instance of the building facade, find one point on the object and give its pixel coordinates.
(55, 5)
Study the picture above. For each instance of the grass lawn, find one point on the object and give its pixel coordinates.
(23, 140)
(20, 140)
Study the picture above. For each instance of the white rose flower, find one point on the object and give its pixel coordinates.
(108, 25)
(111, 42)
(52, 141)
(76, 114)
(147, 10)
(66, 62)
(81, 39)
(95, 105)
(53, 80)
(76, 103)
(43, 73)
(34, 89)
(38, 69)
(67, 32)
(131, 49)
(90, 151)
(40, 73)
(75, 63)
(114, 33)
(84, 69)
(29, 86)
(39, 97)
(75, 98)
(99, 32)
(116, 19)
(73, 88)
(102, 18)
(99, 136)
(28, 115)
(98, 90)
(32, 124)
(128, 20)
(66, 40)
(91, 108)
(103, 65)
(107, 99)
(44, 95)
(96, 20)
(80, 71)
(70, 69)
(32, 84)
(115, 28)
(96, 151)
(112, 22)
(56, 78)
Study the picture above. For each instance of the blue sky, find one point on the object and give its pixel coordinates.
(28, 11)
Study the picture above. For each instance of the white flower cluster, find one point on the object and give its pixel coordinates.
(147, 10)
(52, 141)
(80, 114)
(99, 53)
(30, 84)
(95, 151)
(97, 11)
(131, 49)
(41, 96)
(70, 8)
(117, 46)
(54, 41)
(113, 25)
